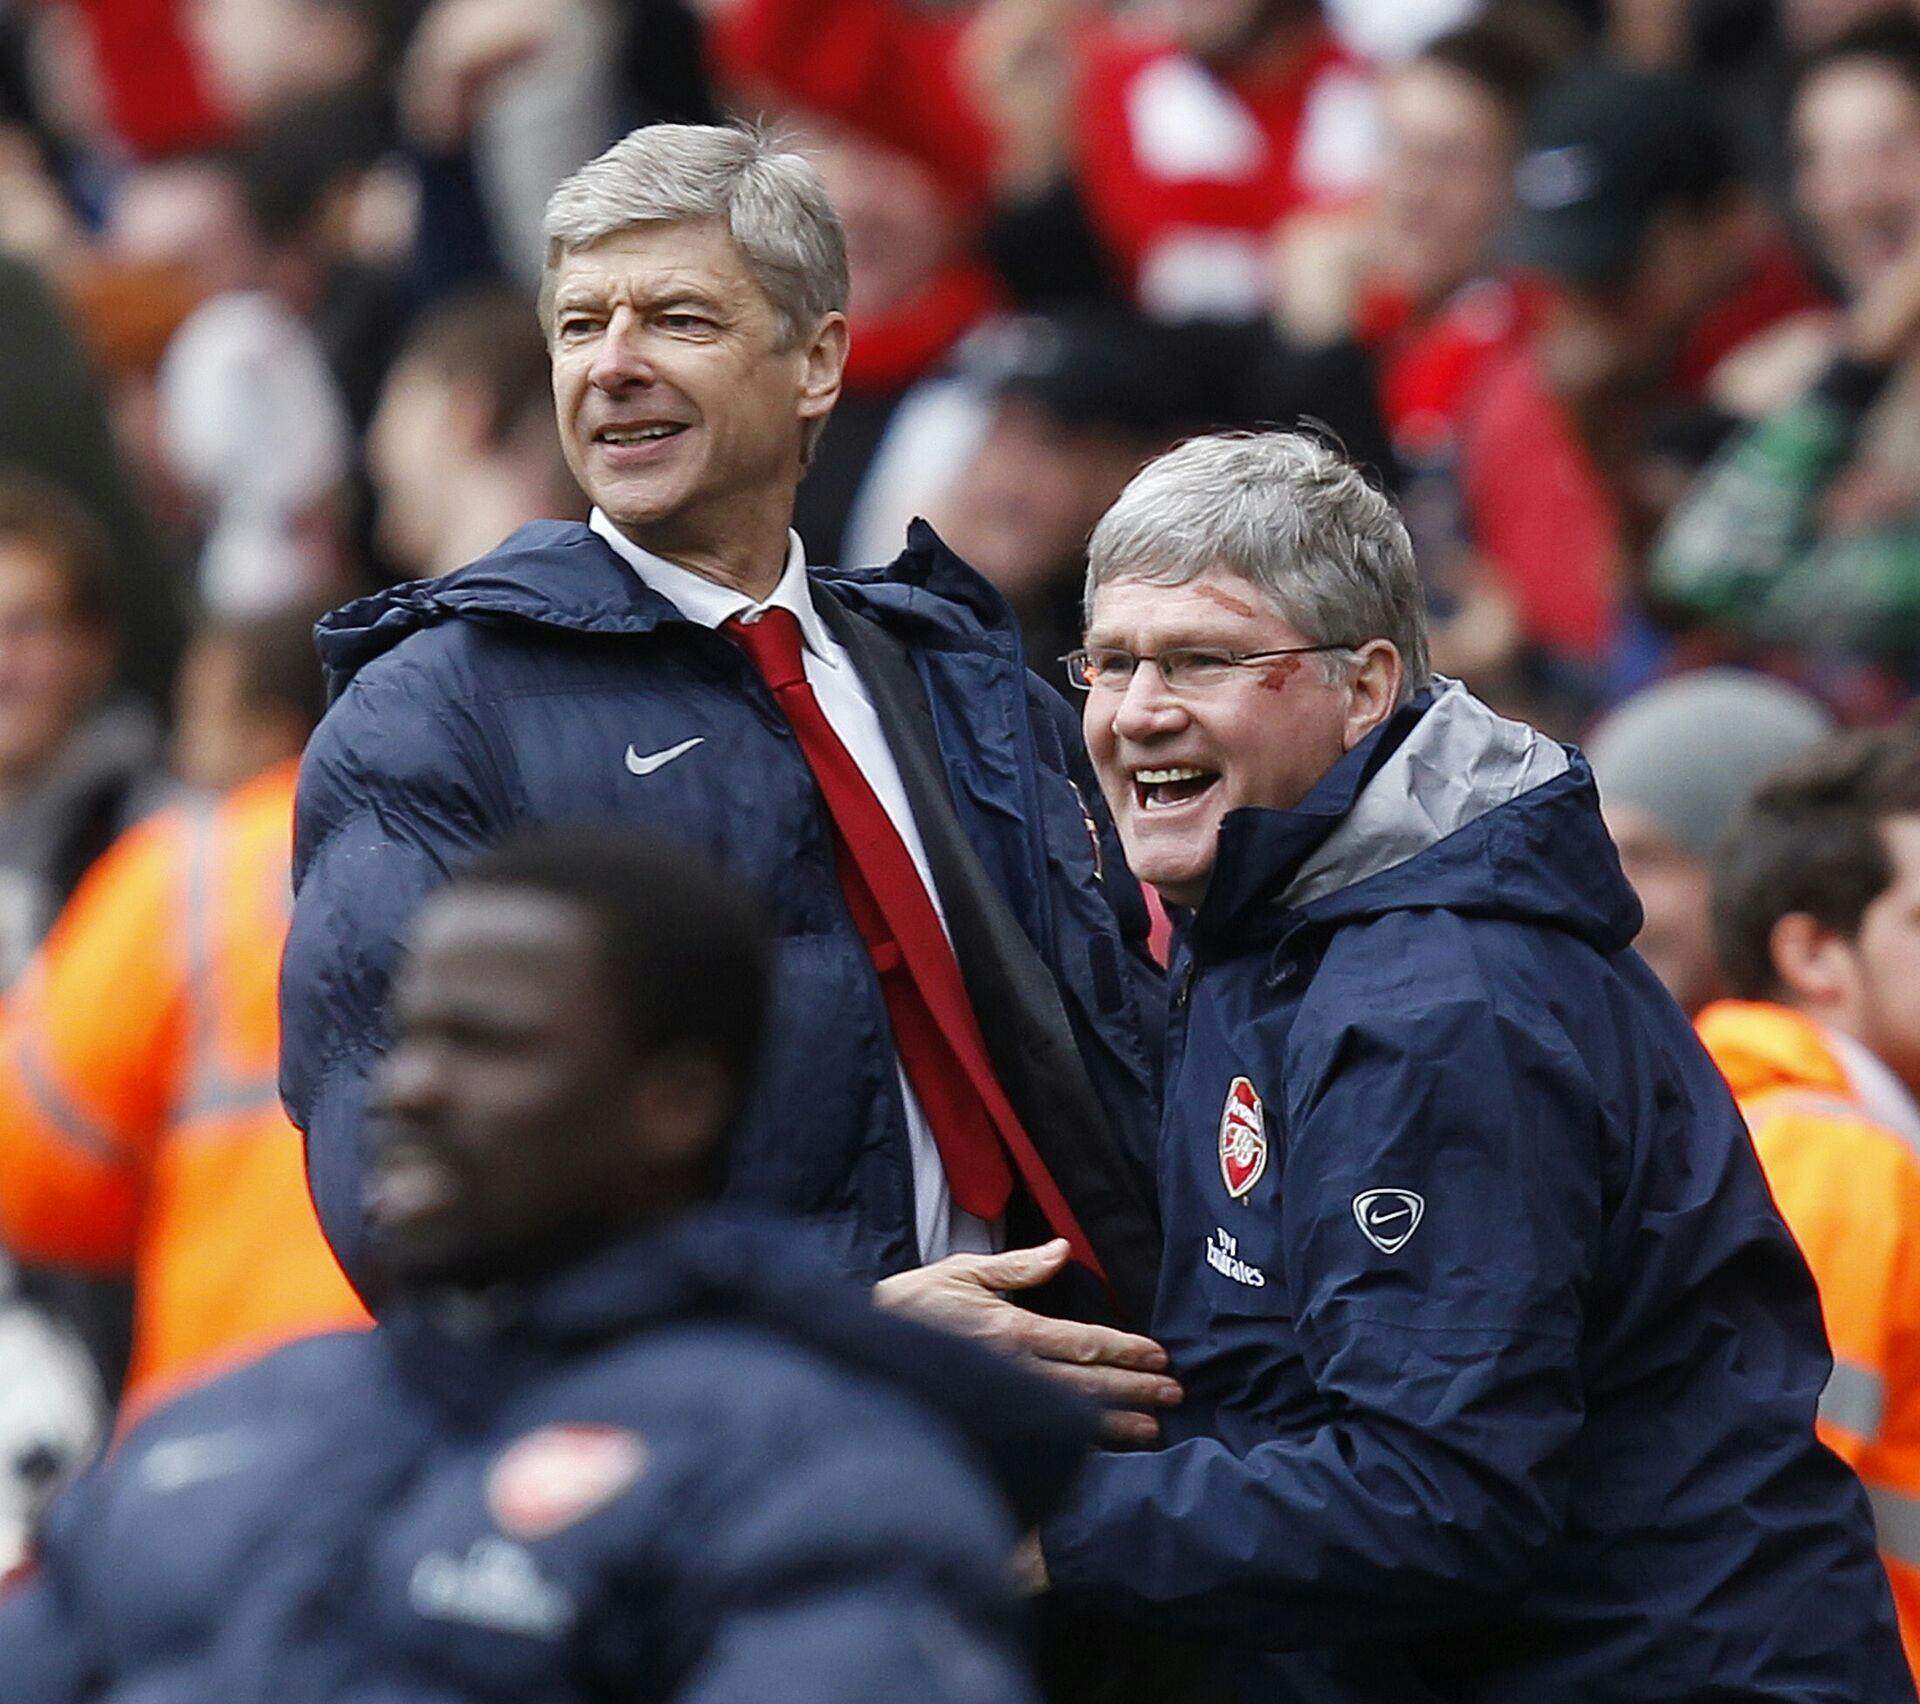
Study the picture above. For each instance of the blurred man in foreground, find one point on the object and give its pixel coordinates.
(1816, 908)
(1500, 1367)
(1673, 764)
(141, 1131)
(607, 1442)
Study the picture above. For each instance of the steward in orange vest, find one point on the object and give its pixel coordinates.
(1816, 910)
(140, 1122)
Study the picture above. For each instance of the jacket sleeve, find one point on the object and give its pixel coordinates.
(398, 787)
(1449, 1366)
(870, 1571)
(91, 1063)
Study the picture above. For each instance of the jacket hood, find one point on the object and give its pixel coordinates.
(728, 1264)
(1445, 806)
(561, 574)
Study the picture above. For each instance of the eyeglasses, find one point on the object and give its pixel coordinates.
(1101, 669)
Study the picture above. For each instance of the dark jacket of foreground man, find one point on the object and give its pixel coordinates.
(690, 1469)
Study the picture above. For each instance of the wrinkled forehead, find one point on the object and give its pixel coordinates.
(1217, 606)
(656, 257)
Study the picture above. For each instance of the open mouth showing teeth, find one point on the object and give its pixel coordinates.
(619, 435)
(1161, 789)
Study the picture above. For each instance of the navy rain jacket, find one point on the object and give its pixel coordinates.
(689, 1469)
(535, 687)
(1500, 1366)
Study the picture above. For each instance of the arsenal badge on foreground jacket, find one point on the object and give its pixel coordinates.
(1501, 1368)
(690, 1469)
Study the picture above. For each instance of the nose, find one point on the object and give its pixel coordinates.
(409, 1083)
(620, 360)
(1147, 706)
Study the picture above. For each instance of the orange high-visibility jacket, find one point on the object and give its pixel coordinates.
(140, 1120)
(1848, 1187)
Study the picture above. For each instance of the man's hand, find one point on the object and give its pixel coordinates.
(1124, 1374)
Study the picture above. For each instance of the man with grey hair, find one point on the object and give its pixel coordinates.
(959, 1086)
(1500, 1367)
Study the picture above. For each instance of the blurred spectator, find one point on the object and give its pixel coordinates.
(54, 424)
(1673, 764)
(1385, 266)
(1629, 203)
(252, 420)
(1806, 529)
(521, 91)
(1177, 149)
(1040, 420)
(1412, 276)
(914, 289)
(462, 450)
(1816, 910)
(141, 1131)
(77, 764)
(1189, 151)
(1074, 405)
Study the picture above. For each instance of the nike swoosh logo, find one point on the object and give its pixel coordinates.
(1383, 1218)
(660, 759)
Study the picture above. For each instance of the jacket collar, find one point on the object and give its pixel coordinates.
(561, 574)
(731, 1264)
(1260, 850)
(1447, 806)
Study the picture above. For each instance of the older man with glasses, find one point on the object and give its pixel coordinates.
(1500, 1367)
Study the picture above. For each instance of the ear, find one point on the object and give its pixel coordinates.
(681, 1099)
(826, 361)
(1815, 965)
(1372, 691)
(472, 419)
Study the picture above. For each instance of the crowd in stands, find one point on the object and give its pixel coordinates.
(1618, 299)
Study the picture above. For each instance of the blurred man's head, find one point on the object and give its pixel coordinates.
(1673, 764)
(56, 628)
(1078, 401)
(1453, 118)
(1816, 901)
(694, 300)
(1223, 33)
(901, 226)
(250, 692)
(1856, 146)
(1253, 613)
(575, 1021)
(462, 449)
(1628, 198)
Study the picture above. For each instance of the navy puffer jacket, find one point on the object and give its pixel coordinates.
(516, 692)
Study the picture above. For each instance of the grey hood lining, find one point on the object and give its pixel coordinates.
(1460, 761)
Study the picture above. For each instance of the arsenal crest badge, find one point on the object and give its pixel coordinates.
(551, 1478)
(1243, 1139)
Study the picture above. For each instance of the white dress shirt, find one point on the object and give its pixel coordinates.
(940, 1227)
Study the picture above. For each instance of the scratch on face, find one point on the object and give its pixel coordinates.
(1275, 675)
(1227, 601)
